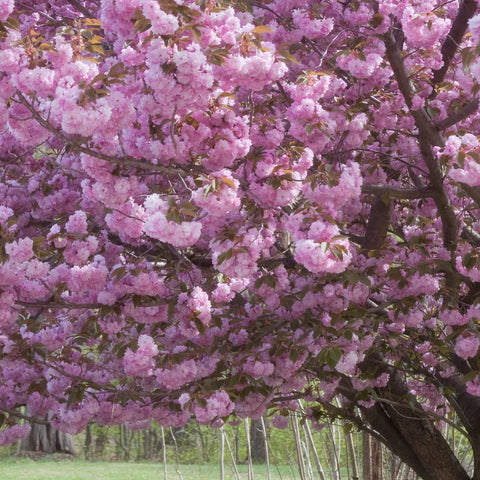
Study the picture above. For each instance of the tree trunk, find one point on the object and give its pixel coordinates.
(46, 439)
(257, 439)
(372, 458)
(88, 442)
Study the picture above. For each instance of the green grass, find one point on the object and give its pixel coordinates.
(25, 469)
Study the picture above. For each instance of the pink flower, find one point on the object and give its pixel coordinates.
(423, 29)
(77, 223)
(473, 387)
(141, 363)
(200, 304)
(318, 257)
(12, 434)
(218, 405)
(467, 346)
(162, 23)
(474, 24)
(21, 250)
(157, 226)
(280, 421)
(6, 8)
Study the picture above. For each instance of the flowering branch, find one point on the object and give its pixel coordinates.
(128, 162)
(462, 114)
(80, 8)
(452, 41)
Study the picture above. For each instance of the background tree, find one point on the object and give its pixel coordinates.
(44, 439)
(233, 206)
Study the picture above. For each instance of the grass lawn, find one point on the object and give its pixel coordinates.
(25, 469)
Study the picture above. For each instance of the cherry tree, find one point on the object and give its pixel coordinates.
(220, 208)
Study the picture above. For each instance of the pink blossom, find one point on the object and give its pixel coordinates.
(21, 250)
(141, 363)
(253, 406)
(467, 346)
(223, 199)
(178, 375)
(77, 223)
(423, 29)
(280, 421)
(162, 23)
(11, 434)
(312, 28)
(200, 304)
(474, 25)
(5, 214)
(318, 257)
(218, 405)
(258, 369)
(473, 387)
(6, 8)
(360, 67)
(180, 235)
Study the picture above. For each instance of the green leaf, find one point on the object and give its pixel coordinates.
(333, 357)
(224, 256)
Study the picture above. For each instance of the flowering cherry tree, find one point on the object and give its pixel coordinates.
(219, 208)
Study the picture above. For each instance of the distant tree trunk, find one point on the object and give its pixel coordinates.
(148, 444)
(257, 440)
(100, 442)
(372, 458)
(88, 443)
(46, 439)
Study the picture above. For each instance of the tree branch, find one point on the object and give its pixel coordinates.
(473, 192)
(16, 414)
(80, 8)
(423, 121)
(463, 113)
(412, 424)
(397, 192)
(428, 136)
(127, 162)
(452, 41)
(378, 222)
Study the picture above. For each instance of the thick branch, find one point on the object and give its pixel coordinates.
(423, 121)
(397, 192)
(428, 136)
(378, 222)
(473, 192)
(405, 418)
(452, 41)
(463, 113)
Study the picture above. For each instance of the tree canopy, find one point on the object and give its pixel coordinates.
(218, 208)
